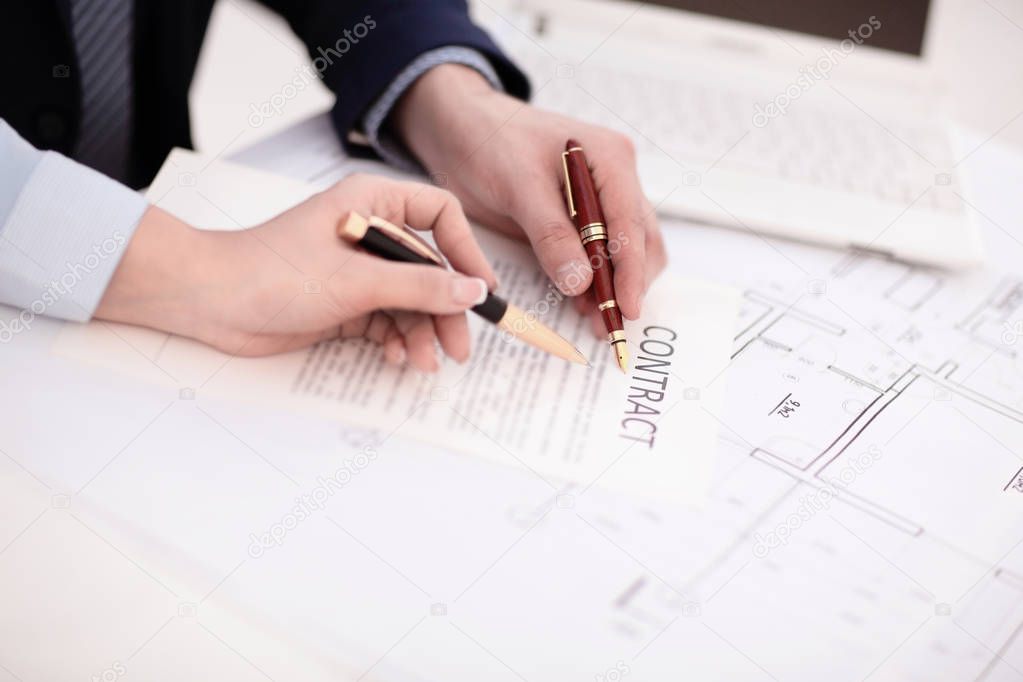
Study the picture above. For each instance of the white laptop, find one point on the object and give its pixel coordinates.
(757, 116)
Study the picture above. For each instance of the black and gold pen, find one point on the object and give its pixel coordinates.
(387, 240)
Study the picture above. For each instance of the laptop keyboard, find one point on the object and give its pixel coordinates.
(697, 126)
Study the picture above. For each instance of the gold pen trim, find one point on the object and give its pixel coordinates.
(593, 232)
(604, 305)
(407, 237)
(617, 336)
(621, 357)
(568, 185)
(354, 226)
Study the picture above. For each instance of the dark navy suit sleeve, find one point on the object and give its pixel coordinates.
(361, 46)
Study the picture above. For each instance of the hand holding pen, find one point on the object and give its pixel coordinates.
(584, 208)
(503, 161)
(290, 282)
(399, 243)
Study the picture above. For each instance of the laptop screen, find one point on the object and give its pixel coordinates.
(902, 22)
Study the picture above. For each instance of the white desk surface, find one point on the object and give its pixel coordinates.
(91, 463)
(89, 459)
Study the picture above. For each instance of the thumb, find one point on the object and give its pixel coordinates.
(384, 284)
(541, 213)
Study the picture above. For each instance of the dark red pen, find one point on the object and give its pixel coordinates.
(584, 207)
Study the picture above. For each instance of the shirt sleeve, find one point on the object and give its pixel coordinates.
(63, 230)
(389, 148)
(360, 48)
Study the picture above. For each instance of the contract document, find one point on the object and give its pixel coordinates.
(649, 433)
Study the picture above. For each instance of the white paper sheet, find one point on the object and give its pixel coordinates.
(648, 434)
(460, 570)
(865, 520)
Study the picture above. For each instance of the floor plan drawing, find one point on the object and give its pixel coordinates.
(867, 500)
(873, 412)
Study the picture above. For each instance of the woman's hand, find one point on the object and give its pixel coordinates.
(502, 158)
(291, 281)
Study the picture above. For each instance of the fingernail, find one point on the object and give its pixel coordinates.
(399, 356)
(570, 278)
(468, 290)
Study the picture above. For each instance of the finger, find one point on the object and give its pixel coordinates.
(383, 330)
(624, 203)
(657, 253)
(432, 208)
(394, 350)
(627, 245)
(378, 327)
(585, 303)
(539, 208)
(420, 341)
(375, 284)
(453, 332)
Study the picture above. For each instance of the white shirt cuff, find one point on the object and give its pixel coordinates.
(63, 238)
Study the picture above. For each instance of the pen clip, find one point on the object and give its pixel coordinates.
(408, 238)
(568, 185)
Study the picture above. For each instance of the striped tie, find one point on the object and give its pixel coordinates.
(102, 34)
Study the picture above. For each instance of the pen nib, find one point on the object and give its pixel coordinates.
(622, 356)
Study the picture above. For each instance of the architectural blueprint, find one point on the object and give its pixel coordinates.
(874, 416)
(864, 519)
(869, 490)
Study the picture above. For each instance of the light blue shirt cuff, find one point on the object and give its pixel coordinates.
(63, 230)
(391, 150)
